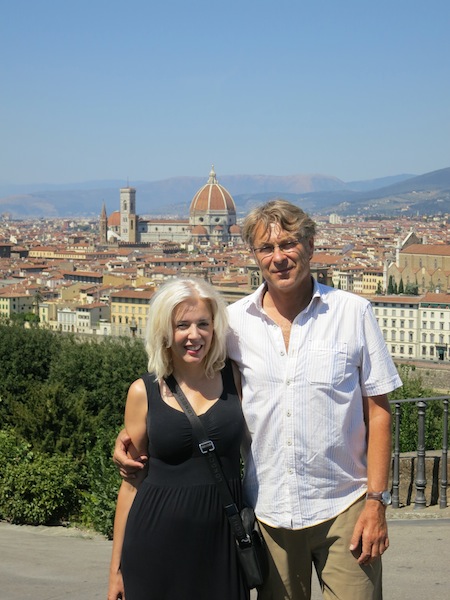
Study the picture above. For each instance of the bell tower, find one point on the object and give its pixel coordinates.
(128, 219)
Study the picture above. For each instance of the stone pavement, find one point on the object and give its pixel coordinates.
(55, 563)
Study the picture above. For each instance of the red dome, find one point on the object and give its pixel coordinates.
(212, 197)
(199, 230)
(114, 219)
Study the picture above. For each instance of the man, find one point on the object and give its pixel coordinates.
(315, 377)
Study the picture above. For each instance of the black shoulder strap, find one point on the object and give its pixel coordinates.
(151, 386)
(208, 449)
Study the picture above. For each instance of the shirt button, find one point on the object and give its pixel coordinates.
(289, 443)
(288, 414)
(282, 353)
(288, 382)
(290, 471)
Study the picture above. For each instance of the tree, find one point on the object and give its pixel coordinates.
(400, 286)
(390, 288)
(37, 300)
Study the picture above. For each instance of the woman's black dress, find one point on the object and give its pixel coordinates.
(178, 543)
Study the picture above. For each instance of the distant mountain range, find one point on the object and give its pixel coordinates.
(317, 194)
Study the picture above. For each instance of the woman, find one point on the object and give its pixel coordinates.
(172, 539)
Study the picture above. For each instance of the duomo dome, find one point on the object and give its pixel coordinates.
(213, 208)
(212, 197)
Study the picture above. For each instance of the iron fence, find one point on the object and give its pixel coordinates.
(420, 476)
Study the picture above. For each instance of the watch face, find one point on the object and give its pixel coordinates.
(386, 498)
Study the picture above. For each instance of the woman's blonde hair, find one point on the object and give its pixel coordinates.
(159, 331)
(289, 217)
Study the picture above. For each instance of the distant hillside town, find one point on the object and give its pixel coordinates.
(95, 276)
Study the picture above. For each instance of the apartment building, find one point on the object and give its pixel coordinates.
(415, 327)
(15, 303)
(129, 311)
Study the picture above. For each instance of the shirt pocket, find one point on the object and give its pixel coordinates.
(326, 362)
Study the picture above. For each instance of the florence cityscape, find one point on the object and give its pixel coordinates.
(95, 276)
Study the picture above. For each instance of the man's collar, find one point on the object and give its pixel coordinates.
(256, 298)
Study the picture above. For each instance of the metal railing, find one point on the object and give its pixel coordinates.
(420, 476)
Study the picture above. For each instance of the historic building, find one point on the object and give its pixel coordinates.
(212, 220)
(424, 266)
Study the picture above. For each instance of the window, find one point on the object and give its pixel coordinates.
(424, 350)
(410, 351)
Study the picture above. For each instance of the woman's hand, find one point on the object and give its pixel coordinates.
(115, 589)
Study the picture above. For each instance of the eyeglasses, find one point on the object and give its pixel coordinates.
(268, 249)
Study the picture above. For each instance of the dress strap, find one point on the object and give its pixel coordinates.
(151, 386)
(228, 378)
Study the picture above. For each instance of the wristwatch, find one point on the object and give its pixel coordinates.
(384, 497)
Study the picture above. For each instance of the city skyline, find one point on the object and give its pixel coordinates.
(149, 91)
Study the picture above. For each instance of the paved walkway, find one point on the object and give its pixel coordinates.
(43, 563)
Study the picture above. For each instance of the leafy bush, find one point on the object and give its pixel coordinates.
(35, 488)
(103, 482)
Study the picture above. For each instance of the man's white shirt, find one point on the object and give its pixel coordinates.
(303, 407)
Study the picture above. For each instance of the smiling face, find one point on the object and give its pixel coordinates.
(193, 330)
(284, 270)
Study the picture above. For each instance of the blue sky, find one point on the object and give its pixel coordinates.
(150, 89)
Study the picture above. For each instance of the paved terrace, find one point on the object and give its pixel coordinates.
(44, 563)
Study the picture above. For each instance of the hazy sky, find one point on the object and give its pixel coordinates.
(150, 89)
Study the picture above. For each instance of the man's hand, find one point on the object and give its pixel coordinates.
(128, 467)
(370, 536)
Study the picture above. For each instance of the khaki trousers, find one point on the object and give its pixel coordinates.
(293, 552)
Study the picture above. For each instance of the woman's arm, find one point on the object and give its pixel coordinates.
(136, 425)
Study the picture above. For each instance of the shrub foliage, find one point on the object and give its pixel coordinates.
(61, 405)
